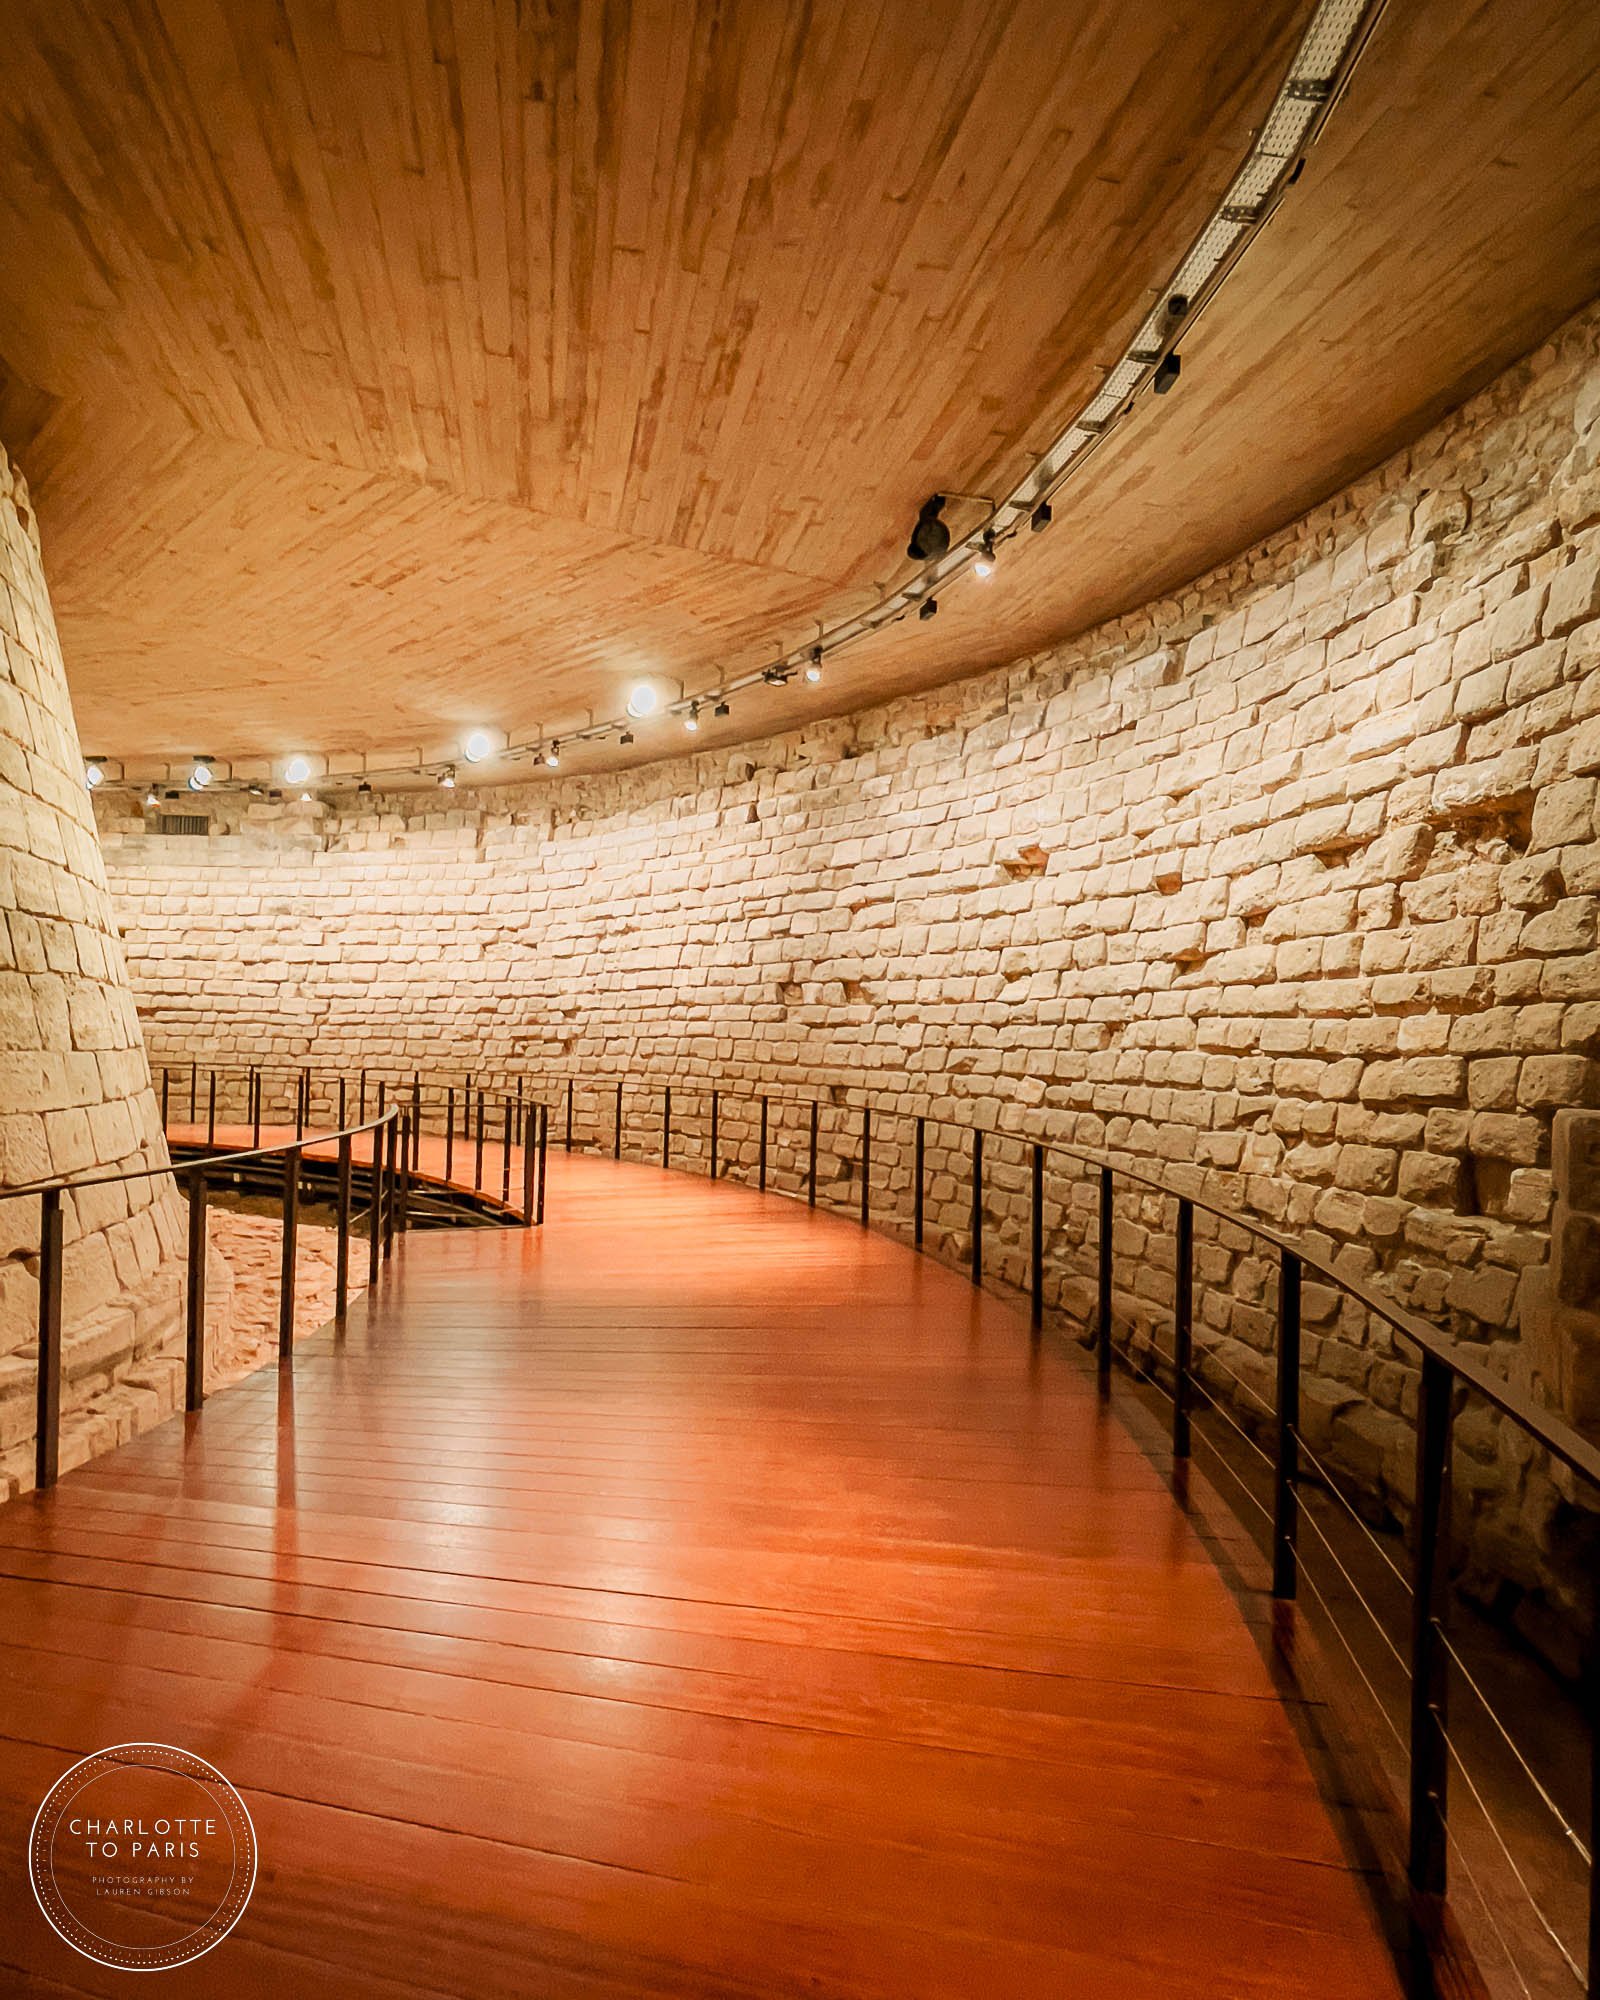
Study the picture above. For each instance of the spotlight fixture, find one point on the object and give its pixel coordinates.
(929, 608)
(721, 709)
(984, 564)
(814, 670)
(644, 698)
(1166, 374)
(625, 738)
(478, 745)
(691, 721)
(305, 798)
(93, 774)
(447, 778)
(776, 675)
(1041, 517)
(553, 755)
(199, 777)
(363, 790)
(930, 538)
(297, 770)
(151, 799)
(1178, 305)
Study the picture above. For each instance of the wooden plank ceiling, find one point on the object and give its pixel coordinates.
(382, 369)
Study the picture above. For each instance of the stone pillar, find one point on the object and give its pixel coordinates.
(75, 1093)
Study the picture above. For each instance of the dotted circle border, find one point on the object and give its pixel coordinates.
(71, 1929)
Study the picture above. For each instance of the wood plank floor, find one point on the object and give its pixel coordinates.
(697, 1597)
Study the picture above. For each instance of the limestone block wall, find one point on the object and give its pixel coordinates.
(1290, 880)
(75, 1095)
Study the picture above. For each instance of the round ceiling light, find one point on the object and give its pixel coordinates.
(644, 698)
(478, 745)
(199, 777)
(297, 770)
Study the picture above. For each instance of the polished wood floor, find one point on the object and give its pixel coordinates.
(697, 1597)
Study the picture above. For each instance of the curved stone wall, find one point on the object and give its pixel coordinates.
(74, 1087)
(1293, 878)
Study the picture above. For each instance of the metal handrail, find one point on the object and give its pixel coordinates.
(393, 1164)
(1445, 1363)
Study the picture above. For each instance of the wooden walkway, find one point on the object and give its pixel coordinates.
(697, 1597)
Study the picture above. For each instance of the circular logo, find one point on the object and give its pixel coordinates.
(142, 1856)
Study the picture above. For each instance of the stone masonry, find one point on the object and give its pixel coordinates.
(1289, 883)
(75, 1093)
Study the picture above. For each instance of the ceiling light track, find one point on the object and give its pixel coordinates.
(1338, 34)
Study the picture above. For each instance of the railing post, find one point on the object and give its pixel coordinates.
(361, 1101)
(375, 1204)
(477, 1150)
(505, 1157)
(449, 1133)
(616, 1136)
(544, 1156)
(569, 1114)
(1182, 1328)
(666, 1125)
(166, 1092)
(300, 1095)
(811, 1160)
(1286, 1467)
(1429, 1601)
(715, 1096)
(286, 1272)
(1102, 1312)
(341, 1247)
(530, 1166)
(194, 1373)
(762, 1178)
(194, 1085)
(255, 1107)
(1036, 1272)
(211, 1107)
(47, 1423)
(414, 1159)
(977, 1204)
(402, 1180)
(918, 1175)
(1592, 1689)
(866, 1165)
(391, 1153)
(342, 1119)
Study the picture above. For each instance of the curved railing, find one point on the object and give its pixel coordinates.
(727, 1128)
(392, 1163)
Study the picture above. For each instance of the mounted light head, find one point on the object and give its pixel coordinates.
(930, 538)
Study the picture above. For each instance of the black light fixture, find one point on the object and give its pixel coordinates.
(553, 755)
(930, 538)
(814, 670)
(1166, 374)
(929, 608)
(984, 563)
(625, 738)
(691, 721)
(777, 675)
(721, 709)
(1041, 517)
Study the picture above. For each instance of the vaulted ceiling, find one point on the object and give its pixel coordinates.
(384, 367)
